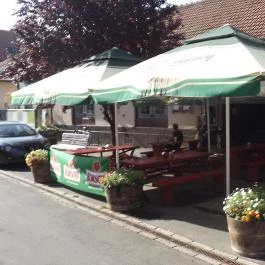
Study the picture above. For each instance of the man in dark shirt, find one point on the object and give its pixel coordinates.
(176, 140)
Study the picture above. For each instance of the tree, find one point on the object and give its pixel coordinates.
(109, 114)
(56, 34)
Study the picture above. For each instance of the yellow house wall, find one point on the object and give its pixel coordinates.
(6, 88)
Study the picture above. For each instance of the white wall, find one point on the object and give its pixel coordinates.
(60, 117)
(185, 119)
(126, 116)
(23, 115)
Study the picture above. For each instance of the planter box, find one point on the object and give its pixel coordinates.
(52, 136)
(247, 238)
(124, 199)
(41, 172)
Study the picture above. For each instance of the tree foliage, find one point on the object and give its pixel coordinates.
(56, 34)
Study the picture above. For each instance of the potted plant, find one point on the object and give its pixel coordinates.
(245, 211)
(51, 132)
(39, 164)
(124, 189)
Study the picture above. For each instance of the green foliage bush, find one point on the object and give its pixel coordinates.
(51, 128)
(38, 156)
(123, 178)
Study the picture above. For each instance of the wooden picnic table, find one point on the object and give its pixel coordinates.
(247, 148)
(241, 153)
(158, 148)
(176, 164)
(157, 162)
(124, 148)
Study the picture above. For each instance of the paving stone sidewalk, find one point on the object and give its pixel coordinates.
(196, 225)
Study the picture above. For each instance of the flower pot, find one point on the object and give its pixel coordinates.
(124, 199)
(247, 238)
(53, 136)
(41, 172)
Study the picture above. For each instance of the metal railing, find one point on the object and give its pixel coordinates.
(138, 138)
(143, 139)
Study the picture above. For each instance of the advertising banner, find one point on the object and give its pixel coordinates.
(78, 172)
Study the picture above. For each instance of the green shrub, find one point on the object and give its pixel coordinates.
(38, 156)
(123, 178)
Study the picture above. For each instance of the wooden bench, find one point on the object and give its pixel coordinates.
(79, 139)
(147, 153)
(253, 167)
(167, 185)
(160, 152)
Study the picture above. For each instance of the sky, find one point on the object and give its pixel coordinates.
(9, 6)
(6, 10)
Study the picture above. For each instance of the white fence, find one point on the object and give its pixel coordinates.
(24, 115)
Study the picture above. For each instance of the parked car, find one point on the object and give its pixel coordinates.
(17, 139)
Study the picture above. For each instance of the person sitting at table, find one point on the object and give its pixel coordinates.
(176, 140)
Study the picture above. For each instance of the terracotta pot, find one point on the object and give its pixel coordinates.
(41, 172)
(124, 199)
(247, 238)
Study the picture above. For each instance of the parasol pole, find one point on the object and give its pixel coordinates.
(227, 144)
(116, 134)
(208, 125)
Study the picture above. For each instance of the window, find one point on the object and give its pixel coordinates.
(85, 110)
(145, 110)
(151, 110)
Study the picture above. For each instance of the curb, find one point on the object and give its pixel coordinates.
(187, 246)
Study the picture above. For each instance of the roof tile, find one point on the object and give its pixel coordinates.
(246, 15)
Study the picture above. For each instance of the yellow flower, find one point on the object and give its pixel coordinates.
(244, 218)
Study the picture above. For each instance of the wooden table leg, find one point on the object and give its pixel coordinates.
(167, 196)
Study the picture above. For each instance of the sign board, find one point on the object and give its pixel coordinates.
(79, 172)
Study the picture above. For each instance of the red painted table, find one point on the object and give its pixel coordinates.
(241, 153)
(160, 161)
(125, 148)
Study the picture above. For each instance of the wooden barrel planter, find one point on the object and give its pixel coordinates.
(41, 172)
(247, 238)
(124, 199)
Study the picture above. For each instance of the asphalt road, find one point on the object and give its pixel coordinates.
(37, 228)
